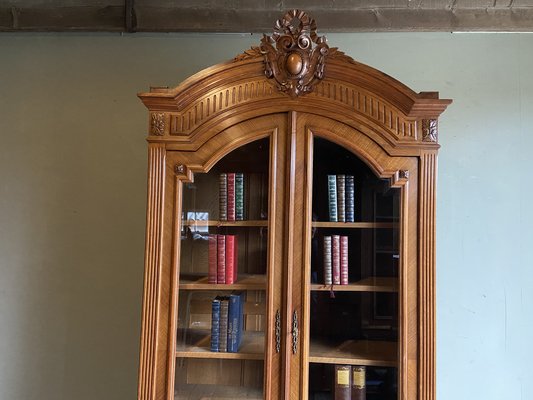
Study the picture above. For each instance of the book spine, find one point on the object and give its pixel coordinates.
(221, 259)
(215, 324)
(332, 197)
(327, 261)
(341, 198)
(223, 197)
(239, 196)
(344, 260)
(342, 387)
(336, 259)
(230, 259)
(240, 328)
(212, 259)
(350, 198)
(231, 196)
(223, 326)
(234, 313)
(358, 383)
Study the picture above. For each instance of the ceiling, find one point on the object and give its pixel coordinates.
(259, 15)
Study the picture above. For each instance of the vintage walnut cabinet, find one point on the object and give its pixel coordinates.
(287, 114)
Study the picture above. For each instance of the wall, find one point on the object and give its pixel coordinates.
(72, 201)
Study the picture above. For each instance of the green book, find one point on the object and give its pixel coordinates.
(239, 196)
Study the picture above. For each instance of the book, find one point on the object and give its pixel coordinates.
(342, 385)
(215, 324)
(231, 259)
(336, 259)
(235, 321)
(221, 259)
(223, 325)
(332, 198)
(341, 198)
(358, 383)
(344, 259)
(328, 280)
(239, 196)
(231, 196)
(212, 259)
(223, 197)
(350, 198)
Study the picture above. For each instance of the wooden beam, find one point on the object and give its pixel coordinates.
(161, 16)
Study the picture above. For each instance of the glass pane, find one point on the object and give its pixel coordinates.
(354, 269)
(220, 348)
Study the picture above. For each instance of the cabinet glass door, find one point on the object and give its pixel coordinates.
(353, 279)
(220, 348)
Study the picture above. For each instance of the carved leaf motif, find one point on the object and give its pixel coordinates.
(429, 130)
(335, 53)
(295, 56)
(157, 124)
(254, 52)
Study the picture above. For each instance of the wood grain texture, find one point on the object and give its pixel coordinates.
(428, 174)
(152, 278)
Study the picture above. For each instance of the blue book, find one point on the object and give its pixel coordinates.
(215, 321)
(350, 198)
(235, 321)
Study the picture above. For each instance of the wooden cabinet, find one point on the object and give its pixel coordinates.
(292, 116)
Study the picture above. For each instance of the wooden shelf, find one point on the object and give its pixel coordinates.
(216, 392)
(244, 282)
(354, 225)
(372, 284)
(252, 346)
(354, 352)
(252, 223)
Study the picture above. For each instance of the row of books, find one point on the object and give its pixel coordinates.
(223, 259)
(227, 324)
(341, 198)
(336, 260)
(350, 382)
(231, 196)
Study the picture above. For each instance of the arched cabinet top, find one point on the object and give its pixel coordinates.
(400, 120)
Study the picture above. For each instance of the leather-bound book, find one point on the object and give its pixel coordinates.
(212, 259)
(223, 197)
(341, 197)
(231, 196)
(336, 258)
(223, 325)
(328, 279)
(350, 198)
(231, 258)
(221, 259)
(342, 384)
(332, 197)
(239, 196)
(344, 260)
(358, 383)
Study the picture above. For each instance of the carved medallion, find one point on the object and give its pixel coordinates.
(429, 130)
(295, 55)
(157, 124)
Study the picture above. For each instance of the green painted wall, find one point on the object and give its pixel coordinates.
(72, 202)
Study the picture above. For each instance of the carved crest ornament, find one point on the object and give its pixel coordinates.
(295, 55)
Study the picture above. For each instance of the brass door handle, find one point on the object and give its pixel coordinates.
(295, 332)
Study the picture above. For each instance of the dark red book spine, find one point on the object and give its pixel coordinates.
(343, 387)
(336, 259)
(230, 259)
(344, 260)
(212, 259)
(231, 196)
(221, 258)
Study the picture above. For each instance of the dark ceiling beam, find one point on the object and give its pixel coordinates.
(144, 16)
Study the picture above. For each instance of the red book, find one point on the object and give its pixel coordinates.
(231, 196)
(344, 260)
(212, 259)
(336, 259)
(231, 259)
(221, 259)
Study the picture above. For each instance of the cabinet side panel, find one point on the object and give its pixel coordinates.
(152, 272)
(428, 172)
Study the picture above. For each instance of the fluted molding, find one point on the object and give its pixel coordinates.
(152, 272)
(427, 266)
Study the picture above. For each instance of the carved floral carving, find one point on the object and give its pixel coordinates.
(157, 124)
(429, 130)
(295, 55)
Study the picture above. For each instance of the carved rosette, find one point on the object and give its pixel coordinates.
(157, 124)
(429, 130)
(295, 55)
